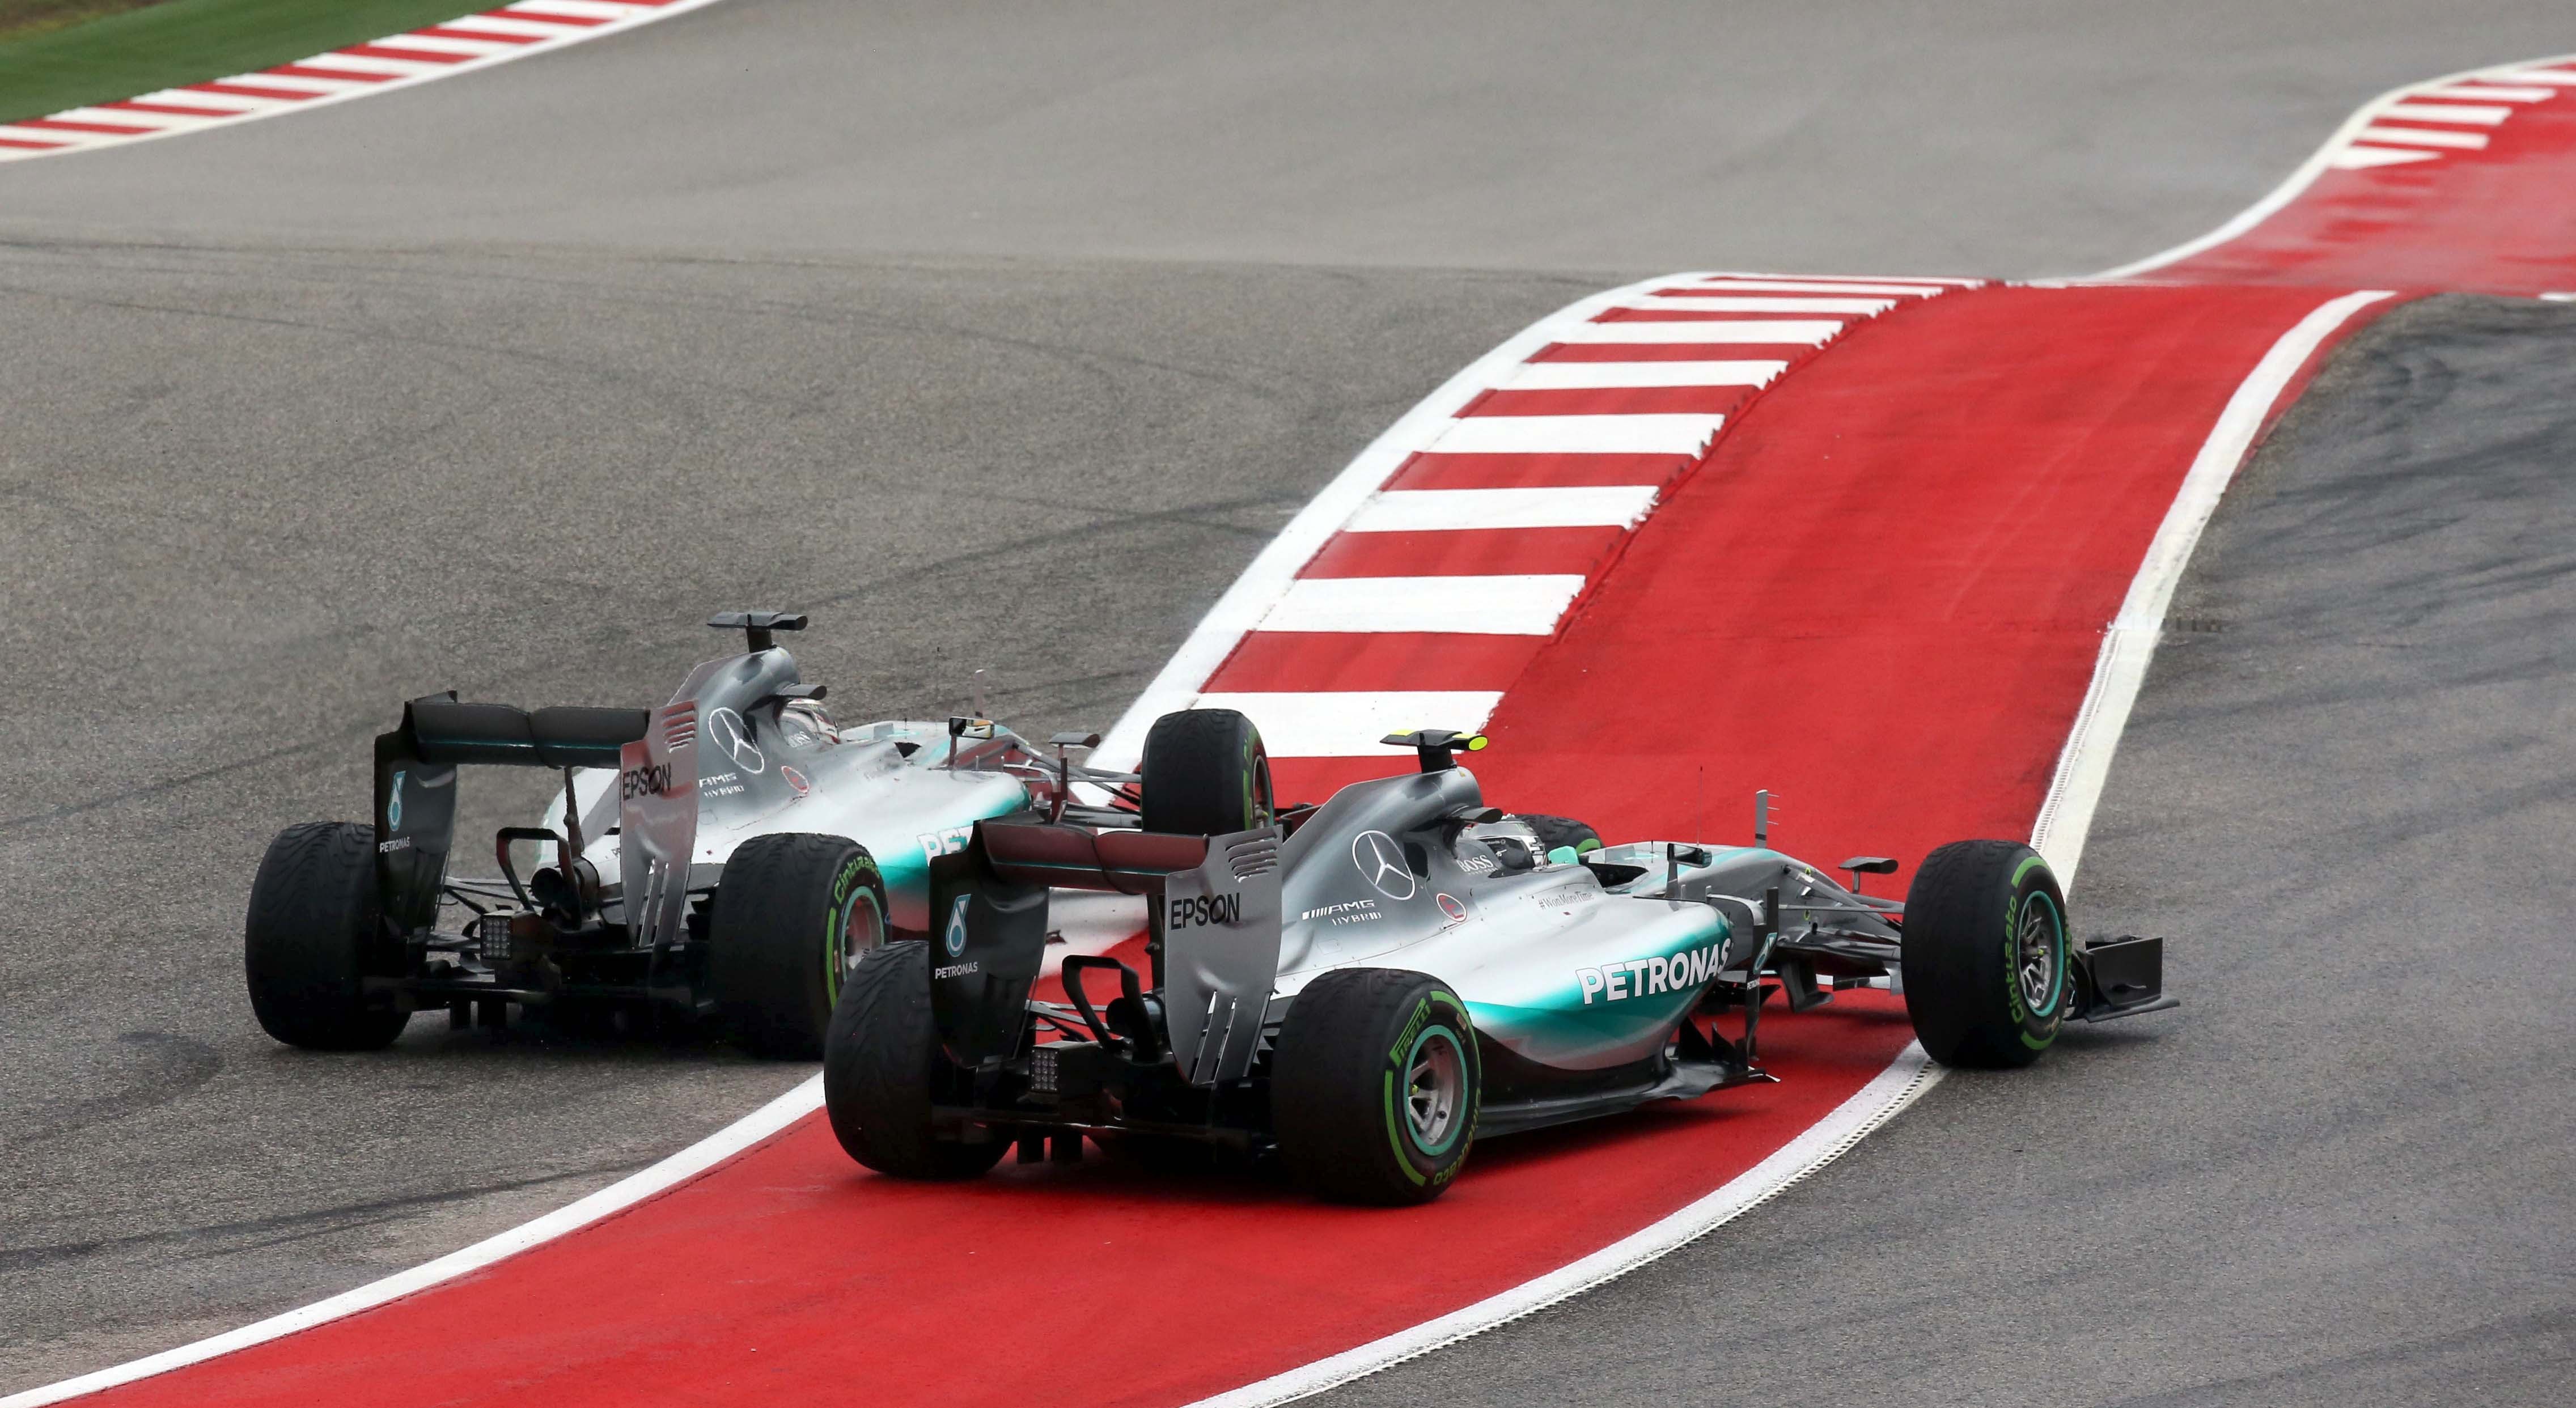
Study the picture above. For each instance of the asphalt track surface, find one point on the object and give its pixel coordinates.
(261, 370)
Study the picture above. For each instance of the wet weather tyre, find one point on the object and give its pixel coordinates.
(1375, 1087)
(883, 1068)
(793, 914)
(1205, 774)
(312, 936)
(1987, 980)
(1562, 831)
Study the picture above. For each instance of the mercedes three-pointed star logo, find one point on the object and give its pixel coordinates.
(1381, 863)
(734, 737)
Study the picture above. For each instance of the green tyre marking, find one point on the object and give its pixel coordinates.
(1395, 1132)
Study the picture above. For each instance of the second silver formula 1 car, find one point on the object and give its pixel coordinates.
(1365, 988)
(730, 854)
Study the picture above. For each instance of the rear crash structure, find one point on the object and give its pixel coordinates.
(1363, 989)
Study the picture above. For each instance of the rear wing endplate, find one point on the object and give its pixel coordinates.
(1214, 906)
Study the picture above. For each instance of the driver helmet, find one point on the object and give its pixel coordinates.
(807, 716)
(1513, 841)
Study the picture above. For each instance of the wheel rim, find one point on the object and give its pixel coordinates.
(858, 928)
(1435, 1096)
(2037, 942)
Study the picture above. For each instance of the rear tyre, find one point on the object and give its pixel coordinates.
(1375, 1087)
(1562, 831)
(793, 915)
(311, 936)
(1205, 774)
(883, 1068)
(1985, 955)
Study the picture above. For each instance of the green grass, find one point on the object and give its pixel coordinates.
(57, 54)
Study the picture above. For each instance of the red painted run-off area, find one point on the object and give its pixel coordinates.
(1881, 595)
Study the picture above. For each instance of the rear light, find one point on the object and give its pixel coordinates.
(1042, 1070)
(492, 933)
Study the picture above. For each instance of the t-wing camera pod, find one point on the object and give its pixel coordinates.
(756, 626)
(1437, 748)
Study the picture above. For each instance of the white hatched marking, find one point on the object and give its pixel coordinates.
(1579, 435)
(232, 102)
(2363, 158)
(2423, 137)
(2475, 114)
(500, 22)
(1349, 725)
(392, 68)
(440, 44)
(1714, 334)
(134, 119)
(585, 9)
(2483, 92)
(1785, 303)
(1926, 280)
(16, 133)
(1590, 376)
(1480, 606)
(1814, 286)
(292, 84)
(1453, 510)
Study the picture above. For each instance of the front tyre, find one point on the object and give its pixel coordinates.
(311, 938)
(794, 913)
(1985, 955)
(883, 1069)
(1375, 1087)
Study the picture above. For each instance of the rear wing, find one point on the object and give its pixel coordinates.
(1213, 915)
(416, 766)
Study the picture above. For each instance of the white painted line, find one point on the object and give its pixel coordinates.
(1777, 303)
(2066, 816)
(2475, 114)
(1888, 1093)
(1814, 286)
(1474, 606)
(1454, 510)
(1713, 334)
(2361, 158)
(2423, 137)
(1349, 725)
(2322, 160)
(625, 1193)
(1578, 435)
(2560, 297)
(1596, 376)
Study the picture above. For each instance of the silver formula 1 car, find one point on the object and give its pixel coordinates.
(1365, 988)
(731, 854)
